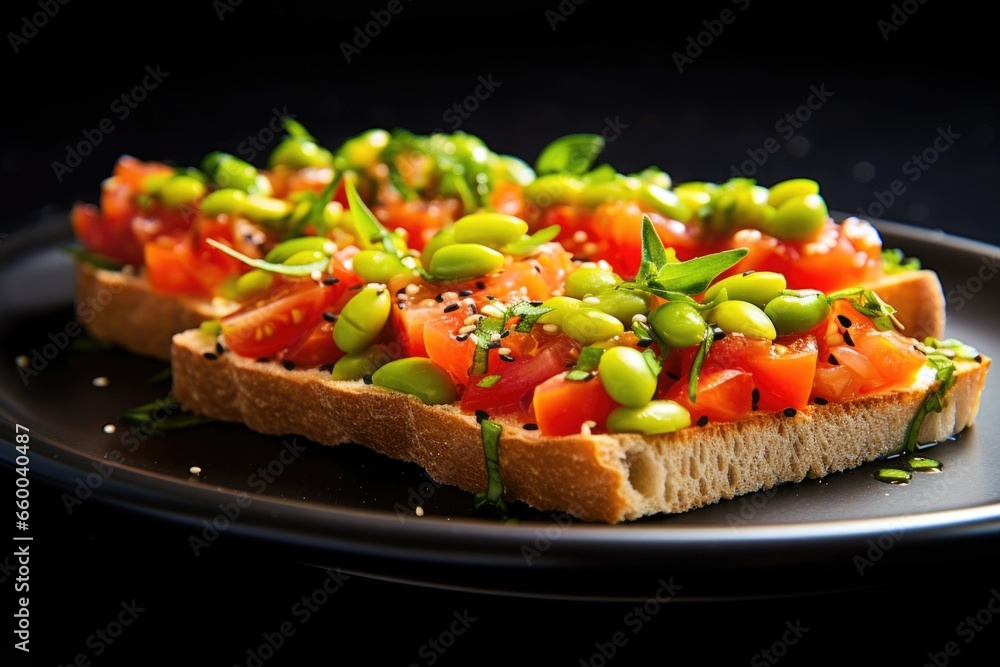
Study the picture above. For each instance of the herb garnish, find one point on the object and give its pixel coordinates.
(529, 243)
(162, 416)
(867, 302)
(586, 365)
(894, 261)
(264, 265)
(96, 260)
(493, 496)
(572, 154)
(488, 327)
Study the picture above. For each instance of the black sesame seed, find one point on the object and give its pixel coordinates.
(747, 273)
(218, 348)
(530, 427)
(473, 309)
(506, 357)
(718, 335)
(819, 400)
(480, 285)
(506, 332)
(289, 365)
(979, 359)
(847, 338)
(326, 368)
(673, 376)
(211, 356)
(466, 292)
(439, 298)
(579, 259)
(330, 317)
(452, 307)
(755, 398)
(401, 305)
(481, 415)
(702, 420)
(367, 379)
(332, 280)
(832, 360)
(356, 287)
(536, 303)
(461, 338)
(262, 360)
(645, 342)
(494, 344)
(790, 412)
(844, 321)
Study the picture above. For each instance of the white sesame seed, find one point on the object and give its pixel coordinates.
(401, 296)
(316, 276)
(603, 264)
(329, 247)
(550, 328)
(469, 301)
(494, 337)
(109, 428)
(449, 296)
(428, 303)
(419, 511)
(467, 329)
(589, 265)
(100, 381)
(504, 351)
(592, 300)
(492, 311)
(580, 236)
(194, 470)
(378, 287)
(472, 319)
(22, 360)
(586, 426)
(639, 317)
(411, 289)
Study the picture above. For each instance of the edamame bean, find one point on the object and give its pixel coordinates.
(757, 288)
(227, 201)
(622, 304)
(653, 418)
(357, 365)
(265, 209)
(588, 280)
(490, 229)
(362, 151)
(694, 194)
(790, 189)
(562, 306)
(419, 377)
(551, 189)
(741, 205)
(229, 171)
(296, 152)
(665, 202)
(181, 189)
(442, 237)
(799, 312)
(678, 324)
(615, 189)
(465, 260)
(626, 376)
(253, 282)
(588, 325)
(742, 317)
(362, 318)
(378, 266)
(286, 249)
(798, 218)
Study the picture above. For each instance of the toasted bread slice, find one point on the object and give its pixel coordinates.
(602, 478)
(121, 308)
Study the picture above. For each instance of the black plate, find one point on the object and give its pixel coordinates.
(351, 508)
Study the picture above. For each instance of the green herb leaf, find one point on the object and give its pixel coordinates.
(695, 275)
(590, 358)
(894, 261)
(699, 360)
(296, 129)
(485, 328)
(572, 154)
(162, 416)
(934, 402)
(525, 245)
(94, 259)
(488, 381)
(652, 245)
(493, 496)
(371, 232)
(317, 209)
(654, 364)
(529, 314)
(284, 269)
(868, 303)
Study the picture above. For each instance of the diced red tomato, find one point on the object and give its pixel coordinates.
(724, 394)
(562, 406)
(420, 219)
(316, 348)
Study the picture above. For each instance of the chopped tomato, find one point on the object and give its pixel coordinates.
(724, 394)
(316, 348)
(536, 357)
(420, 219)
(562, 406)
(442, 345)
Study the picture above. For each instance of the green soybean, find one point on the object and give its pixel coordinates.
(562, 306)
(253, 282)
(666, 202)
(742, 317)
(678, 324)
(362, 319)
(799, 312)
(551, 189)
(181, 189)
(622, 304)
(490, 229)
(377, 266)
(265, 209)
(362, 151)
(798, 219)
(465, 260)
(588, 280)
(297, 152)
(757, 288)
(228, 171)
(442, 237)
(589, 325)
(651, 419)
(226, 201)
(694, 194)
(790, 189)
(286, 249)
(419, 377)
(626, 376)
(357, 365)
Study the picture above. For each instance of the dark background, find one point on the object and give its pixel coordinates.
(227, 71)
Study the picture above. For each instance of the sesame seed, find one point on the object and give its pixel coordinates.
(832, 360)
(466, 292)
(530, 427)
(472, 319)
(494, 338)
(747, 273)
(467, 329)
(588, 265)
(639, 317)
(289, 365)
(461, 338)
(449, 296)
(439, 298)
(503, 350)
(401, 295)
(673, 376)
(844, 321)
(419, 511)
(378, 287)
(22, 360)
(332, 280)
(644, 342)
(790, 412)
(411, 289)
(550, 328)
(367, 379)
(219, 349)
(480, 285)
(102, 381)
(493, 344)
(481, 415)
(702, 420)
(452, 307)
(755, 398)
(506, 357)
(262, 360)
(492, 311)
(354, 288)
(316, 275)
(194, 470)
(586, 426)
(603, 263)
(592, 300)
(848, 339)
(580, 236)
(109, 428)
(718, 335)
(819, 400)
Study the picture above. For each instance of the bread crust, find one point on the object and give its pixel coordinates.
(121, 308)
(600, 478)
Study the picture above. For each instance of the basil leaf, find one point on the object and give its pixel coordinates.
(493, 496)
(94, 259)
(317, 209)
(870, 304)
(894, 261)
(529, 314)
(369, 229)
(488, 381)
(699, 360)
(590, 358)
(483, 337)
(572, 154)
(284, 269)
(529, 243)
(162, 416)
(934, 402)
(695, 275)
(652, 245)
